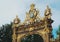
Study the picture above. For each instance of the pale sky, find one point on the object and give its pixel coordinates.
(10, 8)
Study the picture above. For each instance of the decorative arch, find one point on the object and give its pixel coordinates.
(20, 37)
(33, 25)
(32, 38)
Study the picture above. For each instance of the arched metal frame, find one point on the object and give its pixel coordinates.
(24, 35)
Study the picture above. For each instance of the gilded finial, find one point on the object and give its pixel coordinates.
(16, 20)
(48, 10)
(32, 6)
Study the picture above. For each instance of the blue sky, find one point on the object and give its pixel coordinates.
(10, 8)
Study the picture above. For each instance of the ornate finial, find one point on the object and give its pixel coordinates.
(16, 20)
(47, 11)
(32, 6)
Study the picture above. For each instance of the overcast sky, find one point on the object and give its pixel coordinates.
(10, 8)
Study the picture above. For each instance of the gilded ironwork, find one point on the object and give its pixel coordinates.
(33, 24)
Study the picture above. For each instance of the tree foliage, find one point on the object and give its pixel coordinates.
(32, 38)
(58, 32)
(6, 33)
